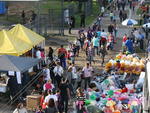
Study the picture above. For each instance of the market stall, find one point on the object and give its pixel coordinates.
(9, 45)
(13, 71)
(28, 36)
(121, 91)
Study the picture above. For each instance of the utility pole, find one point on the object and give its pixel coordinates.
(38, 18)
(62, 17)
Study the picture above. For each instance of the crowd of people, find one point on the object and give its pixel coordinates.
(63, 81)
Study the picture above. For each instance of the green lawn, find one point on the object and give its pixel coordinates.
(56, 4)
(51, 4)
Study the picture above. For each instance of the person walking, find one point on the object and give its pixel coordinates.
(82, 22)
(129, 45)
(23, 16)
(95, 43)
(111, 16)
(70, 24)
(62, 53)
(86, 45)
(141, 40)
(78, 46)
(46, 72)
(87, 73)
(82, 39)
(58, 71)
(123, 4)
(64, 96)
(99, 19)
(110, 41)
(90, 54)
(110, 28)
(73, 53)
(123, 42)
(51, 107)
(79, 78)
(33, 16)
(121, 15)
(146, 32)
(50, 53)
(20, 109)
(103, 53)
(115, 30)
(50, 96)
(74, 75)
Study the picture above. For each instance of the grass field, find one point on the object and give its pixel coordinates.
(50, 4)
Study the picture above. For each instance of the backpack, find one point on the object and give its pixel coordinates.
(61, 55)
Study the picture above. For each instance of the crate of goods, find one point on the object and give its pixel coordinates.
(33, 101)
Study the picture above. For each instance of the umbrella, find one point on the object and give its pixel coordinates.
(129, 22)
(148, 25)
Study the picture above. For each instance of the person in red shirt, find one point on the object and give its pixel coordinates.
(123, 41)
(62, 55)
(110, 41)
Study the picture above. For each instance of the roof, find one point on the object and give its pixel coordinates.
(17, 64)
(27, 35)
(10, 45)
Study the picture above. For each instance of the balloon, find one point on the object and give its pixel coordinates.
(117, 93)
(103, 95)
(97, 94)
(110, 103)
(106, 81)
(87, 102)
(110, 93)
(109, 99)
(92, 97)
(104, 102)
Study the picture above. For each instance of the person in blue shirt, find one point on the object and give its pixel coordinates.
(129, 45)
(95, 43)
(98, 33)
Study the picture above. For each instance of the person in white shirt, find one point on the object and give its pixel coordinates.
(74, 75)
(20, 109)
(46, 73)
(78, 46)
(58, 71)
(87, 72)
(38, 53)
(49, 96)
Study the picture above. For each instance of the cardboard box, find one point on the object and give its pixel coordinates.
(33, 101)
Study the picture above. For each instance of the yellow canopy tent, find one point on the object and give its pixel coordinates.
(9, 45)
(27, 35)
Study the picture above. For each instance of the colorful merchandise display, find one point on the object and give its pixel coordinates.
(126, 63)
(113, 97)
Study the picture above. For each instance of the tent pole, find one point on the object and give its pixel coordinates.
(32, 52)
(45, 51)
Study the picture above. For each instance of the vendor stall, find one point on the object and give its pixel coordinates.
(12, 70)
(28, 36)
(9, 45)
(121, 91)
